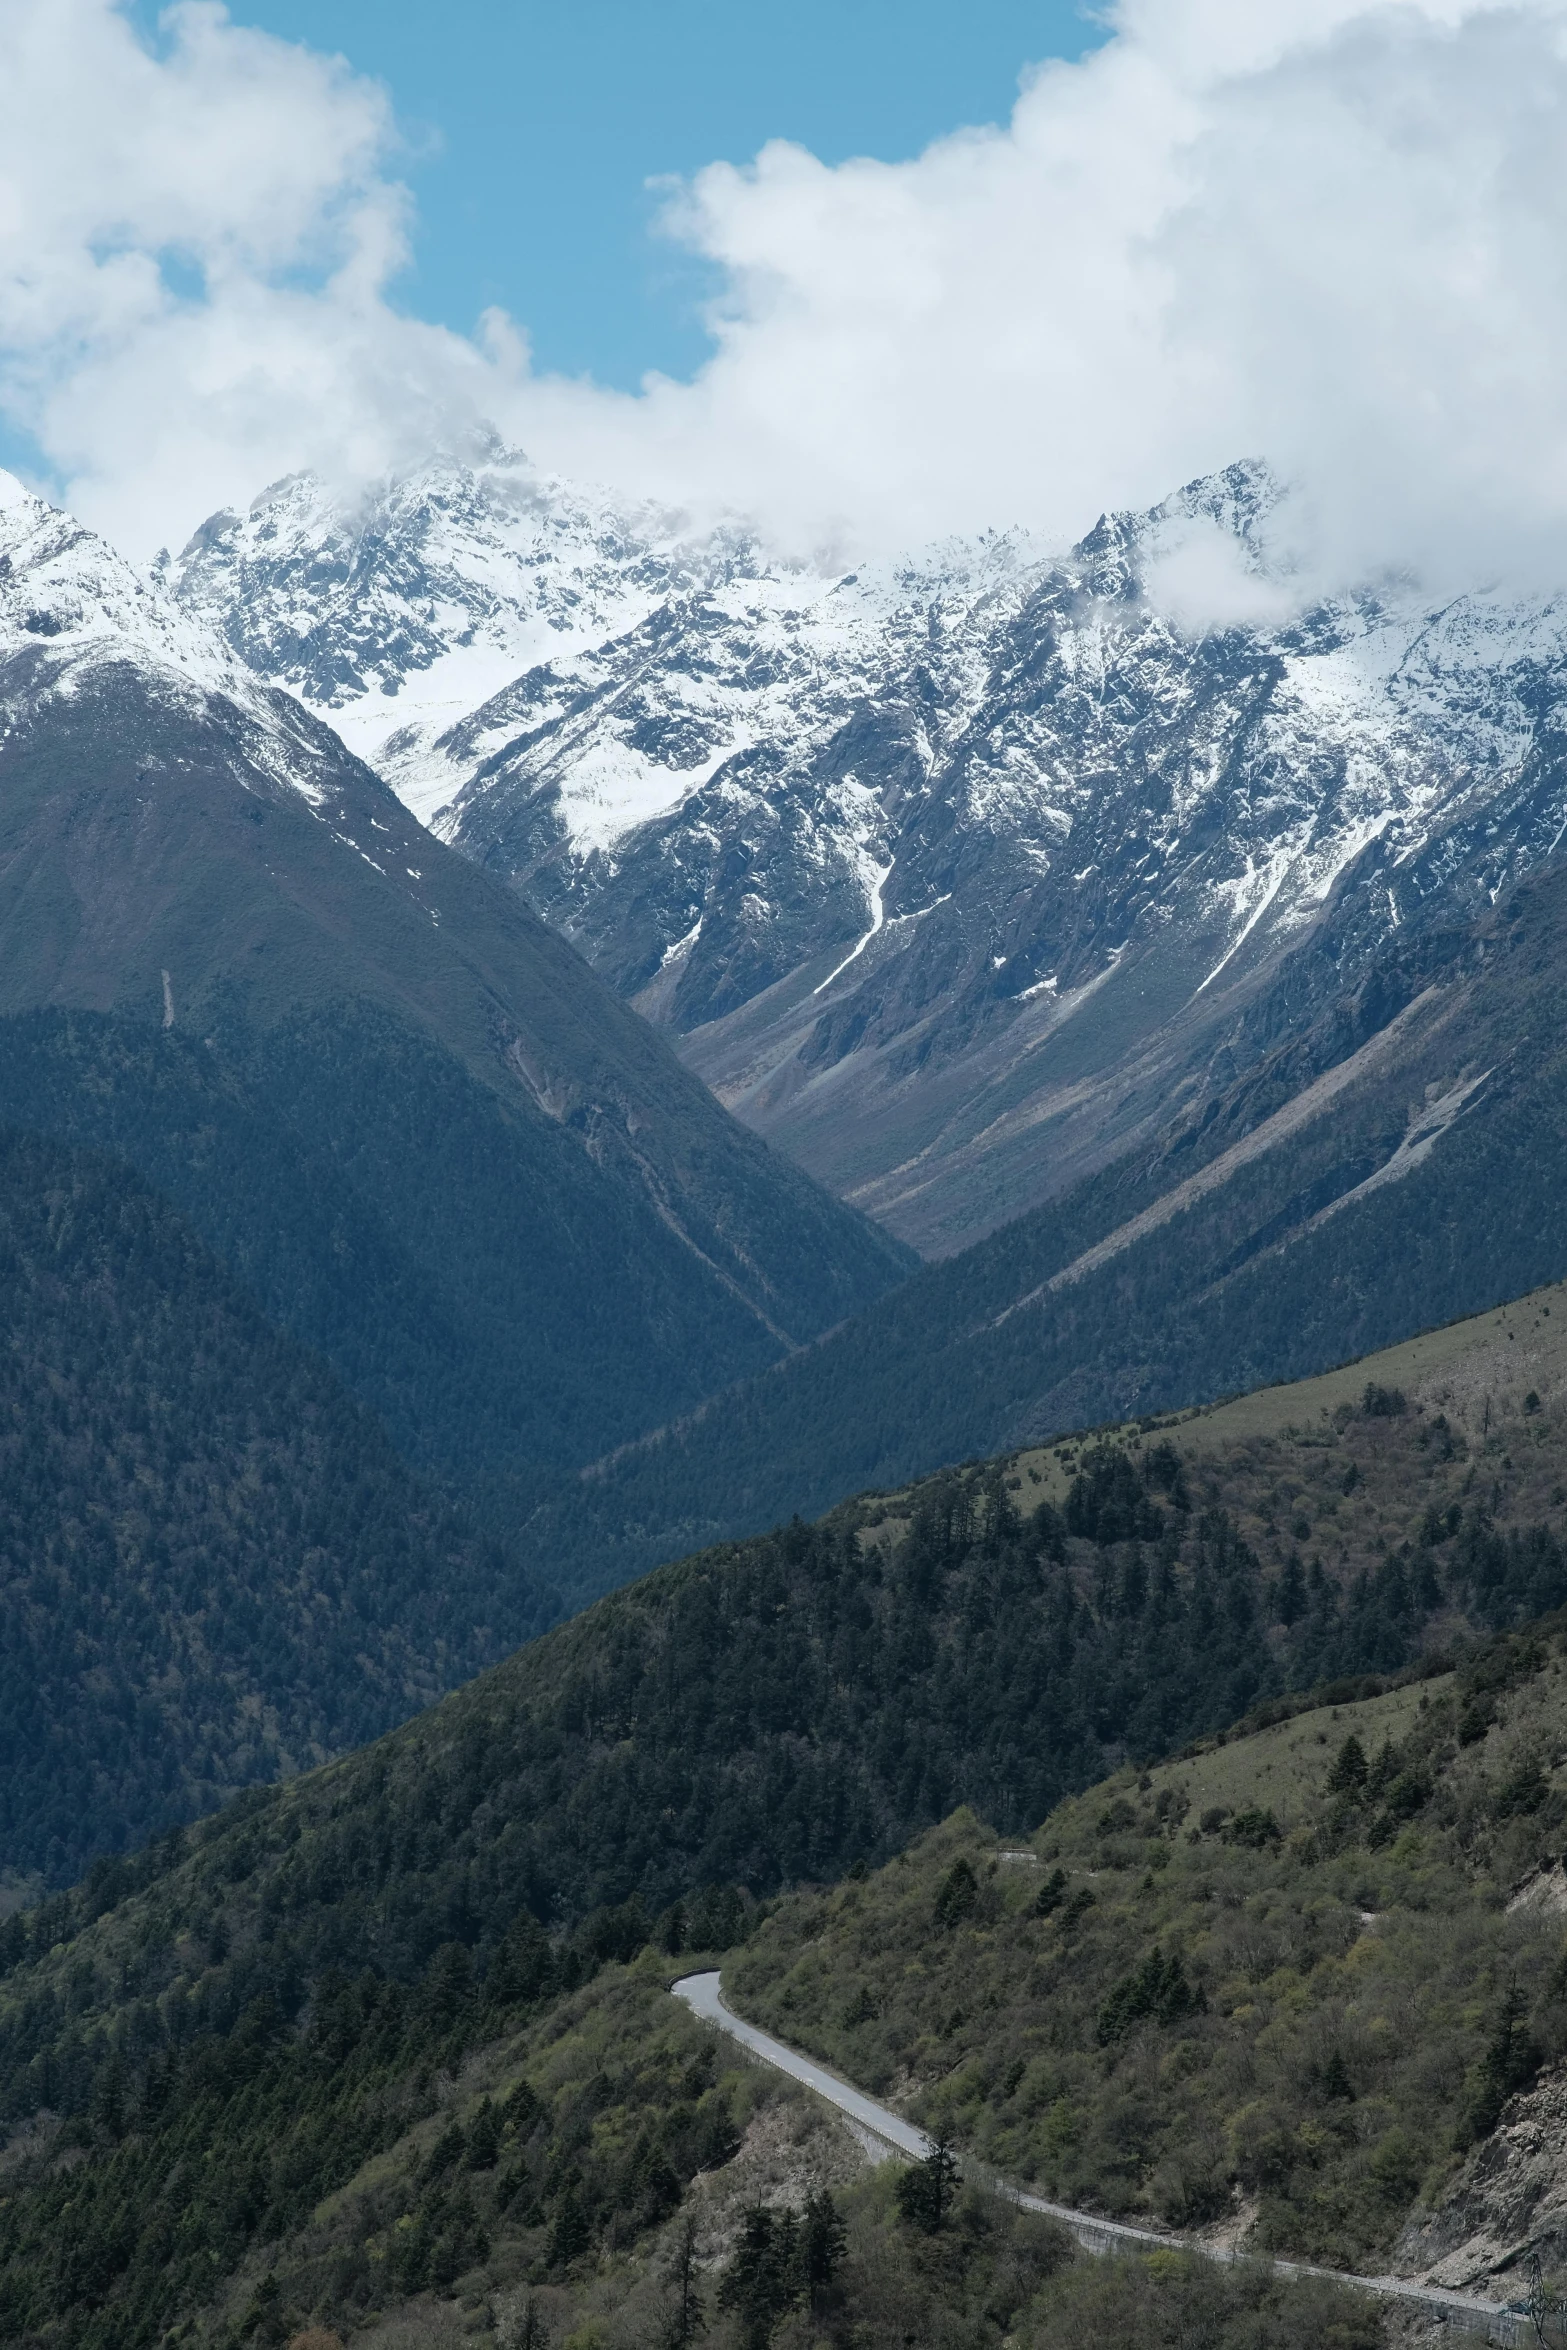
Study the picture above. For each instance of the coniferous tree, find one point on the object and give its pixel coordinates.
(688, 2317)
(530, 2332)
(1291, 1598)
(762, 2281)
(959, 1895)
(823, 2243)
(925, 2193)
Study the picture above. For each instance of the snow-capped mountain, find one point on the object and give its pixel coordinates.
(944, 872)
(75, 615)
(202, 888)
(399, 612)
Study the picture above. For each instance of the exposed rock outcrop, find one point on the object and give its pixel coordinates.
(1508, 2201)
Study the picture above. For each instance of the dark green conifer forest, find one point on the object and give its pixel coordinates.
(214, 1567)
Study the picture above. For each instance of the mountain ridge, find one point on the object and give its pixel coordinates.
(1204, 1261)
(435, 1145)
(950, 873)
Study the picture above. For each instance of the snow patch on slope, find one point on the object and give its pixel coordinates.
(72, 609)
(737, 774)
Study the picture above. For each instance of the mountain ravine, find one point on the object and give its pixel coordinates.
(435, 1147)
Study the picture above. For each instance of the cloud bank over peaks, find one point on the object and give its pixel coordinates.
(1331, 234)
(196, 241)
(1326, 232)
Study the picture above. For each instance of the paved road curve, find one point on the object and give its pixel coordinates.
(702, 1995)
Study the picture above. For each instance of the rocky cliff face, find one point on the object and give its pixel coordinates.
(949, 875)
(1507, 2205)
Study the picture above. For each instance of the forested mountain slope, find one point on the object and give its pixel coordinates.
(704, 2199)
(213, 1566)
(439, 1149)
(1289, 1980)
(1392, 1160)
(267, 2003)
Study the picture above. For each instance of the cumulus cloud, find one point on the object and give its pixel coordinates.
(195, 247)
(1321, 231)
(1327, 234)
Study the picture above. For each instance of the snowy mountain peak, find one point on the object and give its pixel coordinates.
(399, 608)
(77, 617)
(883, 846)
(1240, 500)
(66, 598)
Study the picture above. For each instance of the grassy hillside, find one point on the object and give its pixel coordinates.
(1477, 1374)
(1411, 1460)
(1392, 1161)
(1284, 1981)
(789, 1711)
(213, 1566)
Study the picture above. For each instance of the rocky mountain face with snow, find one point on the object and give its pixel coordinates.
(435, 1146)
(952, 876)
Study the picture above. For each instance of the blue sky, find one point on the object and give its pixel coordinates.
(534, 126)
(1328, 232)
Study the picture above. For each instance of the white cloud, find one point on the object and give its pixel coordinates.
(194, 251)
(1321, 231)
(1198, 575)
(1327, 234)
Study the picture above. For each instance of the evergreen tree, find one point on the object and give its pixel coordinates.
(762, 2282)
(1335, 2081)
(688, 2318)
(823, 2243)
(1290, 1599)
(484, 2137)
(572, 2232)
(1512, 2058)
(530, 2332)
(959, 1895)
(925, 2192)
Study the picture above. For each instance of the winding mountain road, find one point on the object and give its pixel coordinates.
(1494, 2321)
